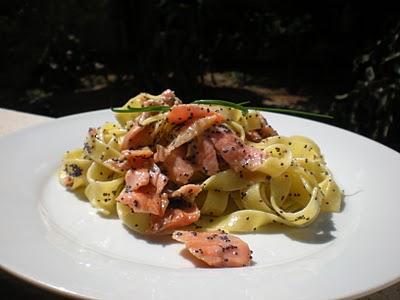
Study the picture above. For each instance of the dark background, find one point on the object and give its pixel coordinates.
(336, 57)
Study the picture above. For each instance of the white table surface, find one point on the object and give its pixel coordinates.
(11, 121)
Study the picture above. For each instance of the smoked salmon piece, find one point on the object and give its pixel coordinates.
(233, 150)
(161, 153)
(165, 98)
(218, 249)
(138, 136)
(174, 218)
(206, 156)
(130, 159)
(264, 132)
(181, 113)
(137, 178)
(192, 129)
(168, 96)
(144, 200)
(186, 134)
(187, 192)
(179, 170)
(142, 197)
(268, 131)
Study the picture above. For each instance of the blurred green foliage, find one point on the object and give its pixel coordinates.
(372, 108)
(94, 54)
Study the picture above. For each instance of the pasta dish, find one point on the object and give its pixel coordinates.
(200, 170)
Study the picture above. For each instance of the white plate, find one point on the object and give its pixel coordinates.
(53, 239)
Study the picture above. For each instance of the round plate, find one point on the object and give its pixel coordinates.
(53, 238)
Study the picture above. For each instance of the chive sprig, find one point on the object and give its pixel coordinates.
(240, 106)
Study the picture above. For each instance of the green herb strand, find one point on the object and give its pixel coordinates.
(291, 111)
(268, 109)
(141, 109)
(238, 106)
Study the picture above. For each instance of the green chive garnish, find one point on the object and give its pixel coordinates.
(141, 109)
(239, 106)
(291, 111)
(268, 109)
